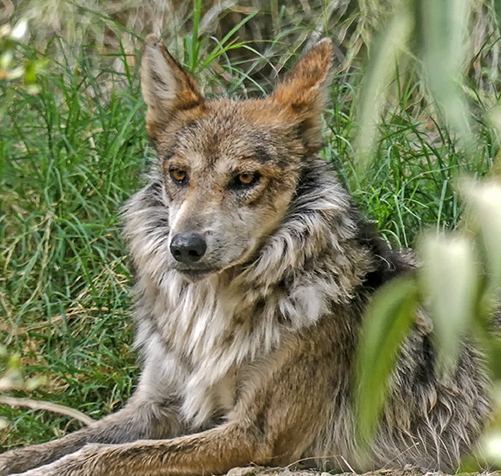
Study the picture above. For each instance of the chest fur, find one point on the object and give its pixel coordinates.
(206, 335)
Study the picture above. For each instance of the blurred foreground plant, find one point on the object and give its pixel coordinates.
(11, 68)
(11, 377)
(459, 285)
(459, 281)
(430, 38)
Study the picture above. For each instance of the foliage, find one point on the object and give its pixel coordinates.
(11, 70)
(459, 281)
(8, 70)
(459, 284)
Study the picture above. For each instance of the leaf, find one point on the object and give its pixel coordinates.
(497, 9)
(433, 34)
(490, 446)
(441, 31)
(384, 55)
(387, 322)
(19, 31)
(485, 212)
(4, 423)
(450, 281)
(8, 173)
(222, 45)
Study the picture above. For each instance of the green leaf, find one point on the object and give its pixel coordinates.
(387, 322)
(222, 46)
(441, 31)
(450, 282)
(8, 173)
(497, 9)
(384, 56)
(485, 212)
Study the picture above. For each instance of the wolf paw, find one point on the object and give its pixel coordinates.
(80, 463)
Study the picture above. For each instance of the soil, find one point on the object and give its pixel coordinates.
(406, 471)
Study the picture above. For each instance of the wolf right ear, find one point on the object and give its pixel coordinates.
(303, 92)
(167, 88)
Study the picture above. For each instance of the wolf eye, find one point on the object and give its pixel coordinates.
(179, 176)
(245, 180)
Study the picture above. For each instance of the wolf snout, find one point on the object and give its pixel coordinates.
(188, 248)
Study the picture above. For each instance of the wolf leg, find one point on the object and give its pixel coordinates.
(212, 452)
(138, 420)
(269, 425)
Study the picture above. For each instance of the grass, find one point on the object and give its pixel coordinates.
(72, 154)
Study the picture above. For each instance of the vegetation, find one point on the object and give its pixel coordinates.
(72, 149)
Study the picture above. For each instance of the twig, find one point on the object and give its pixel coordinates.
(51, 407)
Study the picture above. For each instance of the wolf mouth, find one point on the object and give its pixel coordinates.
(197, 274)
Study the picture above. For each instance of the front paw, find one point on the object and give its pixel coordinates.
(81, 463)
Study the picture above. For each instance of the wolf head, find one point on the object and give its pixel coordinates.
(230, 168)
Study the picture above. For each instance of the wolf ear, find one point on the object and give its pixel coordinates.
(167, 88)
(303, 92)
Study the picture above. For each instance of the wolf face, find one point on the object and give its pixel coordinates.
(229, 168)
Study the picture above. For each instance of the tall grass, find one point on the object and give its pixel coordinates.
(70, 155)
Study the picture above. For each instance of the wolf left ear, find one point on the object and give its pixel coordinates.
(167, 88)
(303, 92)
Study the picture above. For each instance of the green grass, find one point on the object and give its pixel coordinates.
(410, 185)
(72, 154)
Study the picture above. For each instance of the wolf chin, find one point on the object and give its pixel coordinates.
(253, 269)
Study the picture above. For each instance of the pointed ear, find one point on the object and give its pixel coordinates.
(167, 88)
(303, 92)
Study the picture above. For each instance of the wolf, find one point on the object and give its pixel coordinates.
(253, 269)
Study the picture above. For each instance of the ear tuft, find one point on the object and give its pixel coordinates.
(167, 88)
(304, 91)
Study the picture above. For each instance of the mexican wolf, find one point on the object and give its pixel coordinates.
(253, 269)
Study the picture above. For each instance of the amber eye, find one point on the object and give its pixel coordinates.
(179, 176)
(246, 178)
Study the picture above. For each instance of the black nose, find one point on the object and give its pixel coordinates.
(188, 248)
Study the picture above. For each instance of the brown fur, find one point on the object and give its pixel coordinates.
(253, 269)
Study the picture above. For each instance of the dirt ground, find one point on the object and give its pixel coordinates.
(407, 471)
